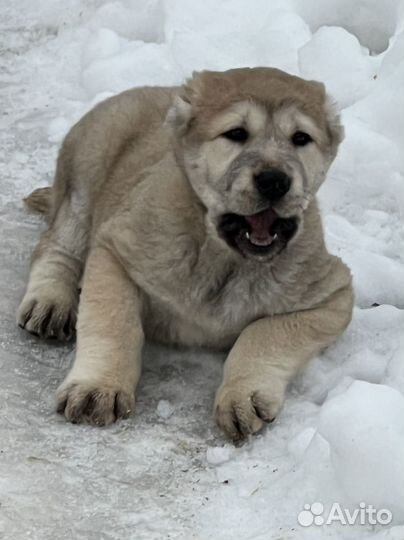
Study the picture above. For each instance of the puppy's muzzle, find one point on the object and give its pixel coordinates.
(272, 184)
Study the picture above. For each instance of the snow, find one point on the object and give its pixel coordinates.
(329, 52)
(216, 455)
(164, 409)
(375, 413)
(167, 472)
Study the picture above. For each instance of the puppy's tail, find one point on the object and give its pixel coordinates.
(40, 201)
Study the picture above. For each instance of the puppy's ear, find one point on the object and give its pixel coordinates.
(185, 103)
(335, 128)
(180, 114)
(195, 86)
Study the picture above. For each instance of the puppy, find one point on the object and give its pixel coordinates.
(190, 216)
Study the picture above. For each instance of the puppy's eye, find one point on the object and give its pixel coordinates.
(300, 138)
(236, 135)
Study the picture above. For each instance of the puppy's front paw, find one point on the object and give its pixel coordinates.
(243, 408)
(92, 403)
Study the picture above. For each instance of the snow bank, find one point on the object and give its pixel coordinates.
(335, 57)
(364, 427)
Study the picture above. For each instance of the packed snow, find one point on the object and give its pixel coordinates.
(167, 473)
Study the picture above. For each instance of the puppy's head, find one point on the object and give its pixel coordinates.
(256, 145)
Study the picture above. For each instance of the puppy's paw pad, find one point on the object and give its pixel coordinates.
(93, 404)
(241, 411)
(49, 315)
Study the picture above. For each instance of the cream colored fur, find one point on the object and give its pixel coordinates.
(141, 181)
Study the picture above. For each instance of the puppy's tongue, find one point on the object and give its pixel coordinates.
(261, 225)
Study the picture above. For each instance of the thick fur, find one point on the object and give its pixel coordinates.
(40, 201)
(141, 183)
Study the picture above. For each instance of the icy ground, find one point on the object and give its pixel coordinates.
(167, 472)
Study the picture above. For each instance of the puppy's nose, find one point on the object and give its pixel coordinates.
(272, 183)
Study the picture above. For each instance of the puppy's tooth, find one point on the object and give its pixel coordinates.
(264, 243)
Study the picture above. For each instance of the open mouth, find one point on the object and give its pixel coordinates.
(259, 234)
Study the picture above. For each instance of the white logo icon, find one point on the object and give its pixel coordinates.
(311, 514)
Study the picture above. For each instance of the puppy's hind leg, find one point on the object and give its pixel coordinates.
(49, 306)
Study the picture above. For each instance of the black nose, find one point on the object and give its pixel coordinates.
(272, 183)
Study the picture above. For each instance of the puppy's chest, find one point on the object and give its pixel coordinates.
(228, 292)
(212, 308)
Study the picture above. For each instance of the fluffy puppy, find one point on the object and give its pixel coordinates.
(192, 211)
